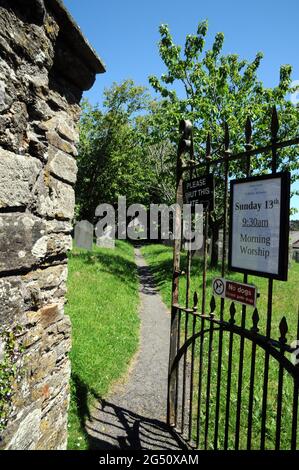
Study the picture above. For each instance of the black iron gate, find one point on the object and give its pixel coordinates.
(232, 381)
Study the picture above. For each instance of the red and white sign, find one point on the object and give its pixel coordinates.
(245, 294)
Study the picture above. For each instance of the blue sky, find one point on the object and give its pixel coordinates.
(125, 34)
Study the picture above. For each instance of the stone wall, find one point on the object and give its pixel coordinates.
(45, 64)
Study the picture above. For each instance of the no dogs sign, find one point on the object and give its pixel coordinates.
(245, 294)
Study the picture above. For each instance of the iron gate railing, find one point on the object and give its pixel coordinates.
(230, 385)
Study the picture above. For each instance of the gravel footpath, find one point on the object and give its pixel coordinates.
(134, 415)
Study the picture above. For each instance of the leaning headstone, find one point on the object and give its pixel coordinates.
(107, 240)
(84, 235)
(297, 256)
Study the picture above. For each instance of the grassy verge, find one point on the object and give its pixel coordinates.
(285, 303)
(103, 305)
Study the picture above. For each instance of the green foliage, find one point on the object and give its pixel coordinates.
(9, 371)
(221, 88)
(111, 155)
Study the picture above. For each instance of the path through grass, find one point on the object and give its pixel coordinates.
(103, 307)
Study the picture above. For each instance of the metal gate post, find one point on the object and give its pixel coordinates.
(185, 145)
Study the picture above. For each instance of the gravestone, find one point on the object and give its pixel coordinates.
(107, 240)
(84, 235)
(137, 228)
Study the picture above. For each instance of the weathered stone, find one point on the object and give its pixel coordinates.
(44, 366)
(58, 244)
(63, 125)
(59, 226)
(11, 299)
(27, 433)
(26, 40)
(17, 178)
(50, 314)
(22, 240)
(39, 112)
(33, 336)
(61, 144)
(45, 286)
(54, 198)
(62, 165)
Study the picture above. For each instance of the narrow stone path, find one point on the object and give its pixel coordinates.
(134, 416)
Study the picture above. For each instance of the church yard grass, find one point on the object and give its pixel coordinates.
(102, 303)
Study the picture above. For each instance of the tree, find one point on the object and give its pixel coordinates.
(217, 89)
(111, 159)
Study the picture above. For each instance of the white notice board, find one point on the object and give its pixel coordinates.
(259, 225)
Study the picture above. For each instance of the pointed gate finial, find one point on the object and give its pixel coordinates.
(283, 328)
(208, 147)
(248, 131)
(274, 123)
(226, 136)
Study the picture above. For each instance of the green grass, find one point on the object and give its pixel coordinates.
(285, 303)
(102, 304)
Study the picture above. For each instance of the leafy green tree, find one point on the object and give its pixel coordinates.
(111, 159)
(221, 88)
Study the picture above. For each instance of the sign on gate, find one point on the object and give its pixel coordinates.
(245, 294)
(200, 191)
(259, 226)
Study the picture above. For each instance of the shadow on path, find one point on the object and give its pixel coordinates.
(119, 428)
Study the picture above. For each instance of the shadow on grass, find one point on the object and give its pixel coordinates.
(162, 270)
(113, 427)
(110, 263)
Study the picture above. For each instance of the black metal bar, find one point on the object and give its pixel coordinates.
(252, 153)
(240, 378)
(192, 373)
(255, 330)
(188, 282)
(261, 341)
(179, 315)
(184, 146)
(266, 366)
(184, 374)
(274, 132)
(248, 146)
(200, 374)
(205, 256)
(208, 389)
(229, 376)
(220, 344)
(283, 331)
(295, 401)
(295, 415)
(206, 232)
